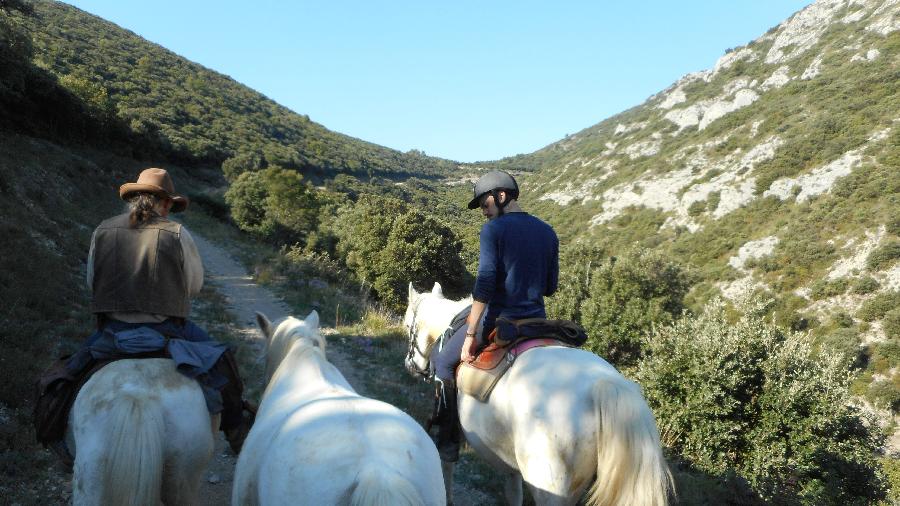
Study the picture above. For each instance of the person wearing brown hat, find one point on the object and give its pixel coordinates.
(142, 271)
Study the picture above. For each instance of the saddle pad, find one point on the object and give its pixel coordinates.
(477, 379)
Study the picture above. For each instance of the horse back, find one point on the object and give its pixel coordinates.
(326, 444)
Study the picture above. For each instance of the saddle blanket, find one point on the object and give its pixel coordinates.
(478, 379)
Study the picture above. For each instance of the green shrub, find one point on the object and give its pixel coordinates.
(843, 343)
(891, 324)
(618, 300)
(752, 399)
(891, 468)
(884, 394)
(697, 208)
(884, 256)
(275, 204)
(864, 285)
(876, 307)
(825, 288)
(388, 245)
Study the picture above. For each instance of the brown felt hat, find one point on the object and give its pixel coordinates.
(158, 182)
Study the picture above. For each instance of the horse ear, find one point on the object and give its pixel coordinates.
(264, 324)
(412, 292)
(437, 290)
(313, 319)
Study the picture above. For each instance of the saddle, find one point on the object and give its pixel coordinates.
(478, 378)
(510, 339)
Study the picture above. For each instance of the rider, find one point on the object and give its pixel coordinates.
(143, 270)
(518, 265)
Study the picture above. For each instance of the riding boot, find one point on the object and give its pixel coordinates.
(446, 417)
(237, 414)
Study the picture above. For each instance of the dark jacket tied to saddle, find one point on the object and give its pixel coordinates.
(212, 364)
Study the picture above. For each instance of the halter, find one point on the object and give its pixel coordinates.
(428, 373)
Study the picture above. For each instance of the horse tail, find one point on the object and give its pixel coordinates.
(378, 485)
(631, 468)
(135, 454)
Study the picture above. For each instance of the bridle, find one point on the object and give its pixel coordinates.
(426, 374)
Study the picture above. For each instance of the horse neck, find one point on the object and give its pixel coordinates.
(436, 315)
(307, 369)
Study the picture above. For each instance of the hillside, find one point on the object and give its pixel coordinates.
(192, 114)
(776, 171)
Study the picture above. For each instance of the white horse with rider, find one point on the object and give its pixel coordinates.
(141, 434)
(316, 441)
(560, 419)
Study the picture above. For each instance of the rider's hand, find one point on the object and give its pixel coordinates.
(468, 349)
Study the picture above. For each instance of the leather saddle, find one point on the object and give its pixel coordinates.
(478, 378)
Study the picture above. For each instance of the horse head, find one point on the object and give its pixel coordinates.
(281, 336)
(417, 325)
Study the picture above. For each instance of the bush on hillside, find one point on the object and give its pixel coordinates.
(388, 245)
(864, 285)
(884, 256)
(876, 307)
(618, 300)
(825, 288)
(753, 399)
(275, 204)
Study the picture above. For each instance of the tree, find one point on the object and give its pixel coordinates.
(618, 300)
(275, 204)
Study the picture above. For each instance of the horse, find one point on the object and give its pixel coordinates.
(560, 420)
(142, 434)
(316, 441)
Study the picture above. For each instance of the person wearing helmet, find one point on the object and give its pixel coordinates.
(518, 266)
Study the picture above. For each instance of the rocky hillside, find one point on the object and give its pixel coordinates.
(776, 170)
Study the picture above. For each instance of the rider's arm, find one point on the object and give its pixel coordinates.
(469, 345)
(89, 278)
(193, 266)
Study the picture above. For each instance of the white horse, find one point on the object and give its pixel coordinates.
(316, 441)
(141, 434)
(561, 419)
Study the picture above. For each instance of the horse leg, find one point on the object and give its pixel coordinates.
(512, 489)
(447, 471)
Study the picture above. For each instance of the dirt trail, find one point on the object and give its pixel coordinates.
(245, 298)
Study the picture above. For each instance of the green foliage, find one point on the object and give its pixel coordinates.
(891, 325)
(884, 394)
(388, 245)
(891, 468)
(876, 307)
(864, 285)
(884, 255)
(844, 343)
(749, 398)
(825, 288)
(275, 204)
(697, 208)
(618, 300)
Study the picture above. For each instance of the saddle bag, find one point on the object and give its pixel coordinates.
(566, 331)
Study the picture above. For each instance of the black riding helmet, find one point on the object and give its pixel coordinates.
(492, 182)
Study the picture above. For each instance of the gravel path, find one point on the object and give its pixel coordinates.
(244, 298)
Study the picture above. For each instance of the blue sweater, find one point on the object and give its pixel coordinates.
(518, 265)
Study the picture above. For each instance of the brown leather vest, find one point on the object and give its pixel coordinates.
(139, 269)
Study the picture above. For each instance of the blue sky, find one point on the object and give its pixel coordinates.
(465, 80)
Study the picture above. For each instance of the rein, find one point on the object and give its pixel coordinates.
(428, 373)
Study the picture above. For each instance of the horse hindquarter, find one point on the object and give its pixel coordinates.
(119, 422)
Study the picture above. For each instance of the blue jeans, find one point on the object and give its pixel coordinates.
(448, 359)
